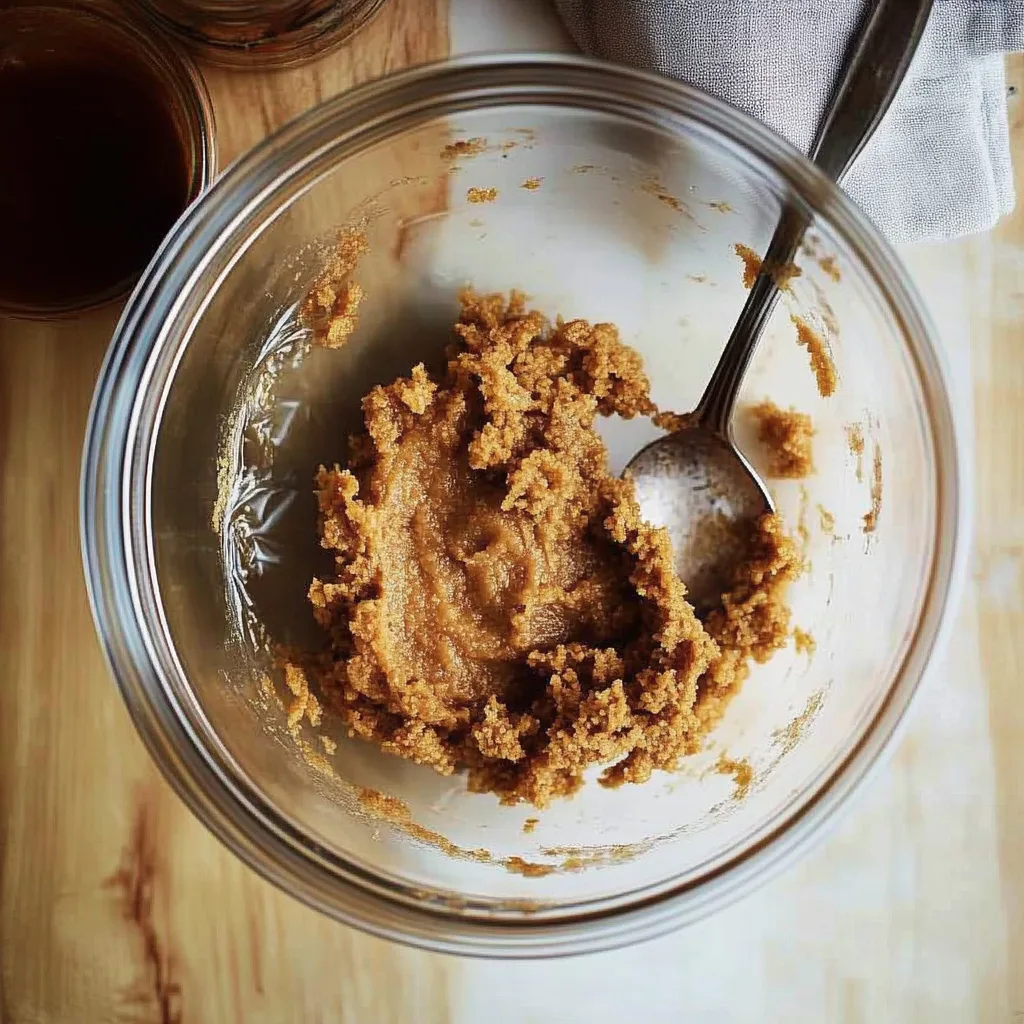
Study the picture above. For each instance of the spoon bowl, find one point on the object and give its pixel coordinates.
(699, 486)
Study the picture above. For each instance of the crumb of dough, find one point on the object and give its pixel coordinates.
(720, 206)
(344, 319)
(331, 307)
(855, 442)
(532, 184)
(654, 188)
(803, 641)
(785, 275)
(530, 824)
(871, 518)
(751, 264)
(826, 520)
(497, 603)
(855, 438)
(787, 435)
(518, 866)
(671, 422)
(803, 531)
(305, 704)
(463, 147)
(830, 268)
(821, 361)
(741, 771)
(482, 195)
(330, 747)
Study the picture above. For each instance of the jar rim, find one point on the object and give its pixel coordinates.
(323, 29)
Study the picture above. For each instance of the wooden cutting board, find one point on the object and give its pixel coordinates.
(117, 905)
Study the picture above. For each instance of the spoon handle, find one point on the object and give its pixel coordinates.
(876, 63)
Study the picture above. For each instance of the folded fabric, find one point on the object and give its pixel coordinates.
(938, 166)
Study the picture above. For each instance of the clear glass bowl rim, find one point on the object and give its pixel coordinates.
(127, 619)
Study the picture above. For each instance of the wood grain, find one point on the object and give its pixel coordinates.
(115, 903)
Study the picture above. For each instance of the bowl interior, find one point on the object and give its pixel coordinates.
(596, 215)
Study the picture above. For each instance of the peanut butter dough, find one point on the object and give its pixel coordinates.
(825, 375)
(787, 435)
(498, 605)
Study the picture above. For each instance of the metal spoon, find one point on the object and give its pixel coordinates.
(695, 481)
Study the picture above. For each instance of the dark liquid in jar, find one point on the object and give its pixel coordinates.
(93, 170)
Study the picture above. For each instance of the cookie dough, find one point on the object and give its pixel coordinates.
(787, 435)
(497, 603)
(824, 369)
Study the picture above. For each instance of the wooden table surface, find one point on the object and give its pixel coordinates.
(117, 905)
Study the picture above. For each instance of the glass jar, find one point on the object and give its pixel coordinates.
(109, 135)
(262, 33)
(617, 196)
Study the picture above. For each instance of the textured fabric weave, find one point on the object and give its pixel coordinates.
(938, 166)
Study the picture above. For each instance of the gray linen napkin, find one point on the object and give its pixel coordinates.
(939, 165)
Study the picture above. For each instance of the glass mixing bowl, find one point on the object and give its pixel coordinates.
(620, 196)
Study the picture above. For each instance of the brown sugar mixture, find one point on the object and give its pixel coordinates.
(787, 435)
(482, 195)
(821, 360)
(332, 305)
(752, 263)
(497, 603)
